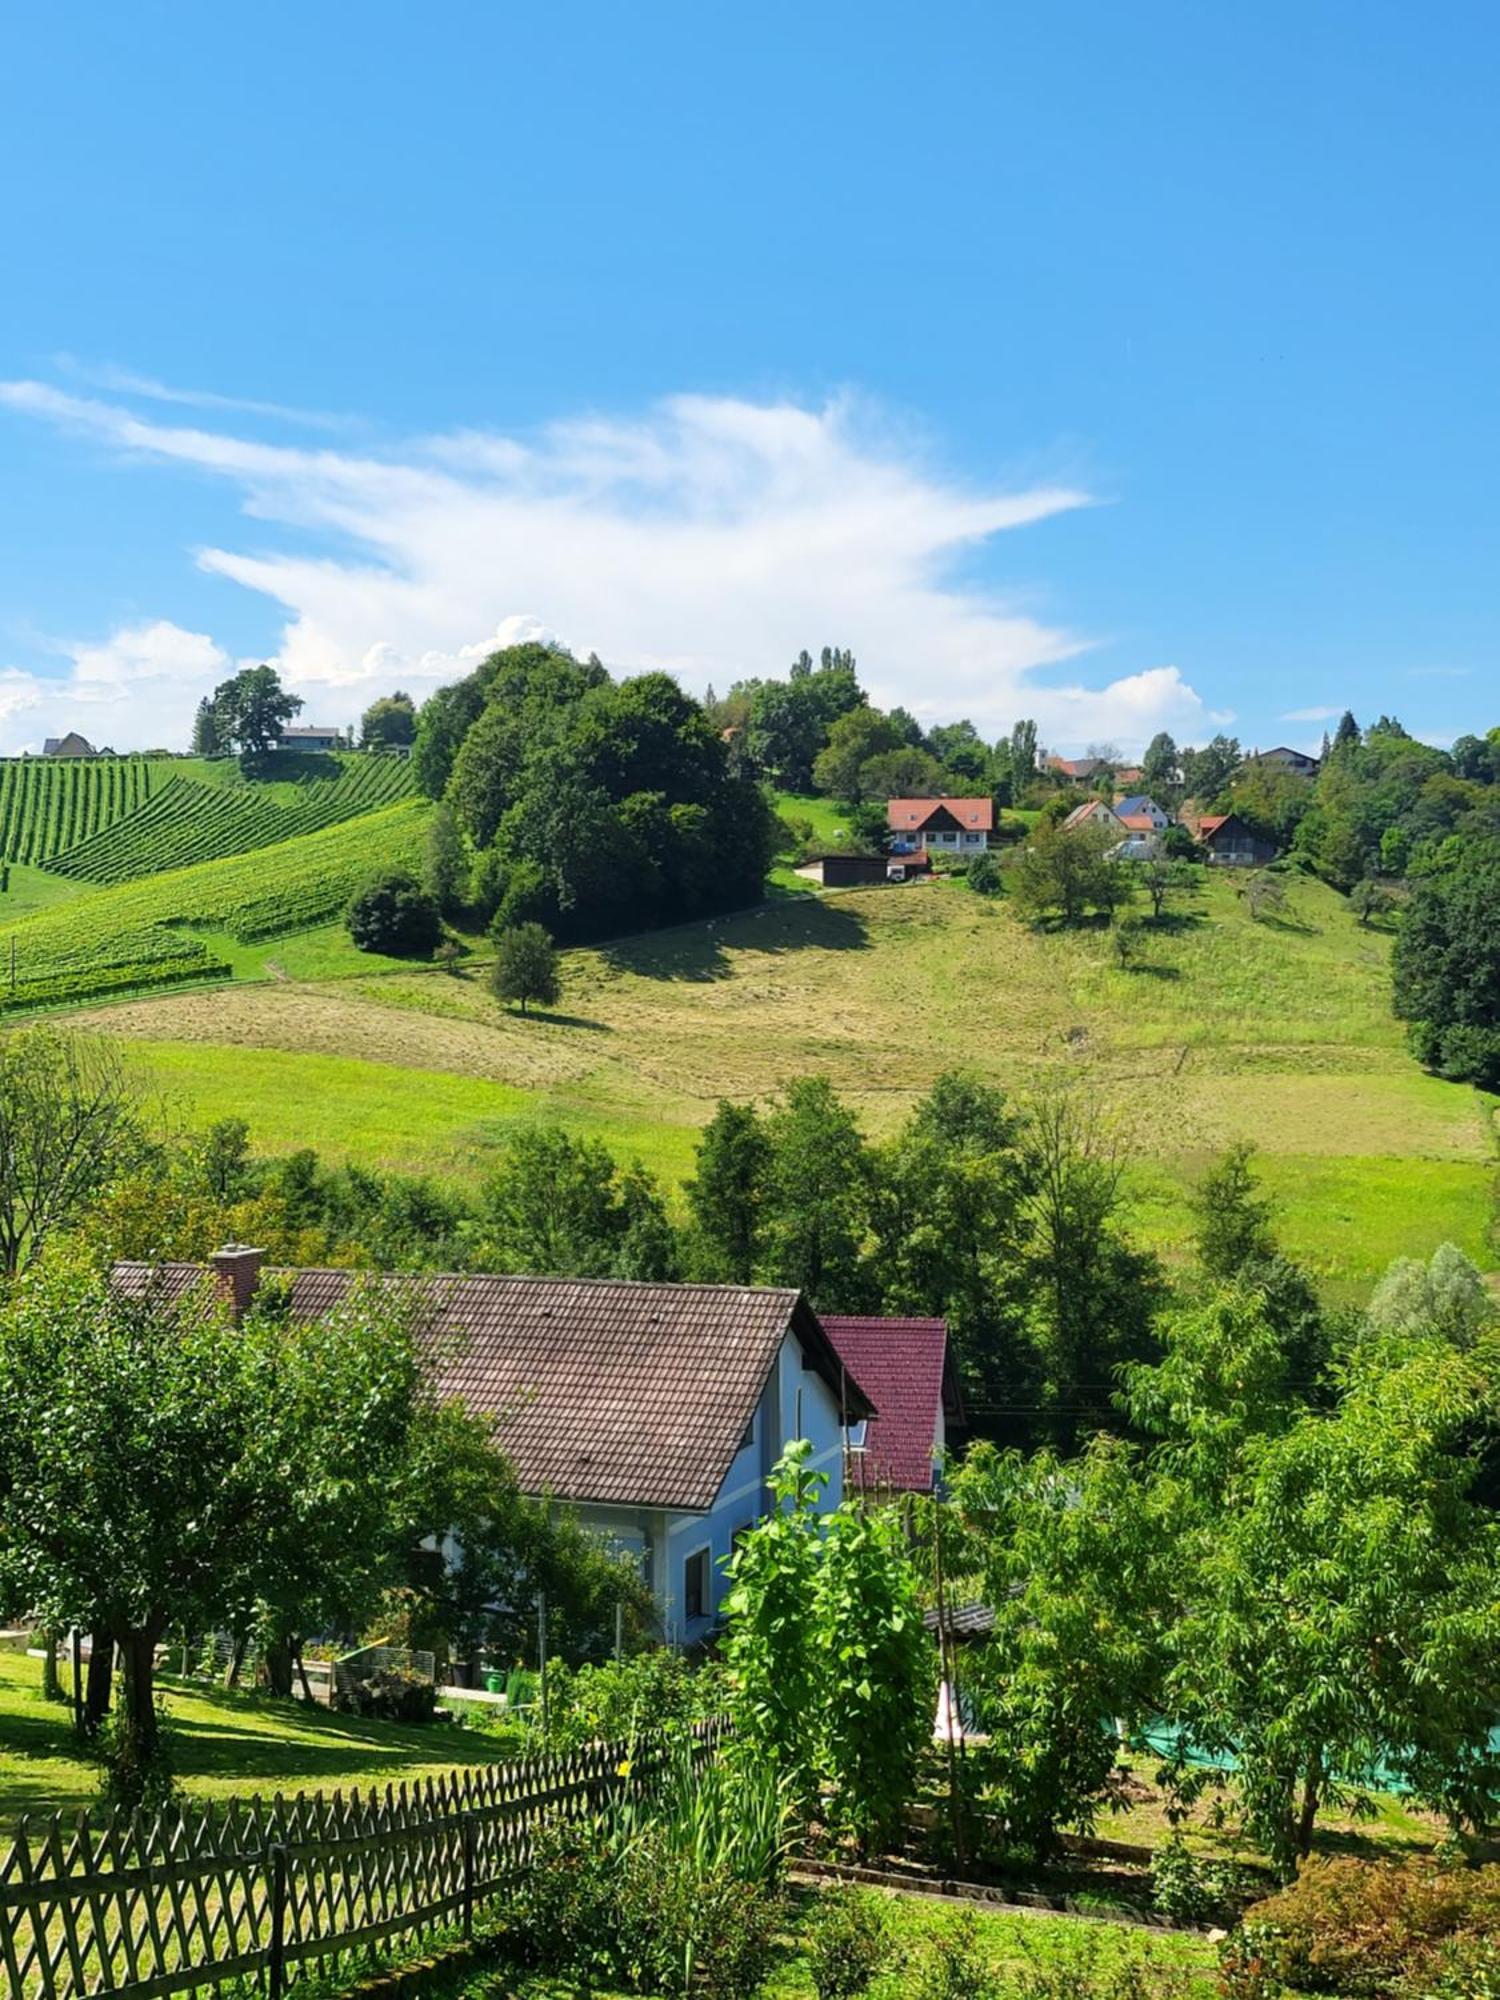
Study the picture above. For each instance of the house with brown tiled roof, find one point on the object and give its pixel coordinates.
(940, 826)
(653, 1412)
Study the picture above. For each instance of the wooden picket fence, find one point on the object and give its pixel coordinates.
(130, 1905)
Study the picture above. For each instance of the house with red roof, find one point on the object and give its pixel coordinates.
(905, 1367)
(940, 826)
(1228, 841)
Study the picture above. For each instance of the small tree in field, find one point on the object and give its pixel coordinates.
(525, 968)
(1265, 895)
(1166, 881)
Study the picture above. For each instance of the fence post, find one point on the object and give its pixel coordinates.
(470, 1830)
(276, 1955)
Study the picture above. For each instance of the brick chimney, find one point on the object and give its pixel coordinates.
(236, 1270)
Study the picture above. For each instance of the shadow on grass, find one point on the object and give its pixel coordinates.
(553, 1020)
(1155, 971)
(1177, 923)
(697, 952)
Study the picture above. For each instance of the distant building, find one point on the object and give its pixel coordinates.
(1138, 834)
(71, 745)
(310, 738)
(1138, 805)
(844, 871)
(1282, 759)
(1079, 769)
(1228, 841)
(940, 826)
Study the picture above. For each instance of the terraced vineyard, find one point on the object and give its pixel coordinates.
(136, 935)
(51, 804)
(186, 822)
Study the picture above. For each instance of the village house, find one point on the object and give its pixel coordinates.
(1138, 834)
(906, 1368)
(308, 737)
(1227, 841)
(1082, 770)
(71, 745)
(940, 826)
(1141, 806)
(653, 1412)
(1282, 759)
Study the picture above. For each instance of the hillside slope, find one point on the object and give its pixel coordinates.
(147, 932)
(187, 821)
(1227, 1028)
(49, 804)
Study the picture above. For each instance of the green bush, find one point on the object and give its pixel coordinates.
(392, 1694)
(393, 913)
(985, 875)
(1189, 1889)
(674, 1894)
(847, 1939)
(953, 1965)
(1366, 1929)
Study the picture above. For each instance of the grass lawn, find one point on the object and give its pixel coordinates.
(224, 1745)
(1226, 1028)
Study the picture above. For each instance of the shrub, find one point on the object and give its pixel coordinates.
(953, 1967)
(393, 913)
(847, 1939)
(683, 1928)
(1364, 1929)
(393, 1694)
(1189, 1889)
(985, 877)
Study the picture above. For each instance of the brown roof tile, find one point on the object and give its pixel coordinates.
(628, 1394)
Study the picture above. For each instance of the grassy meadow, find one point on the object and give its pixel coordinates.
(1224, 1028)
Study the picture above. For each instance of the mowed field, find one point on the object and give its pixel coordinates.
(1226, 1028)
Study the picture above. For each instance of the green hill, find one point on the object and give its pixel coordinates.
(1279, 1032)
(187, 820)
(49, 804)
(151, 932)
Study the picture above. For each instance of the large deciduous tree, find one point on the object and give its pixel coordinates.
(252, 708)
(389, 723)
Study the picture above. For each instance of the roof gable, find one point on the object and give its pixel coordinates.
(603, 1390)
(905, 1366)
(943, 815)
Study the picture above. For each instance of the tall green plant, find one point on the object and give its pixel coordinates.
(775, 1671)
(879, 1674)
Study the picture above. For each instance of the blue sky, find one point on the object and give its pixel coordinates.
(1127, 367)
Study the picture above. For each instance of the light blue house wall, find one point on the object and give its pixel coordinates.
(796, 1403)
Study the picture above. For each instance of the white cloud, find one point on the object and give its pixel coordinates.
(137, 689)
(710, 537)
(1310, 715)
(126, 382)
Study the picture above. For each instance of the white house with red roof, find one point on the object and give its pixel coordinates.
(940, 826)
(905, 1367)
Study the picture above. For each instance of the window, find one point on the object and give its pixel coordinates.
(695, 1585)
(749, 1438)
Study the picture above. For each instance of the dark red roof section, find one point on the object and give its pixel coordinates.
(903, 1366)
(605, 1390)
